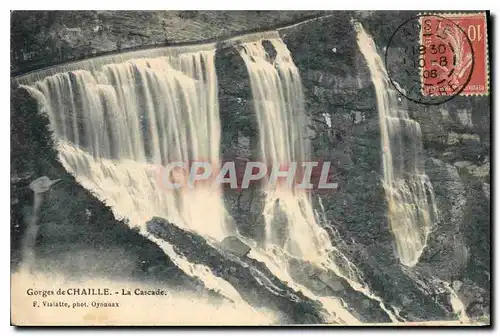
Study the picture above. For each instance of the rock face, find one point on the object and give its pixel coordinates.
(43, 38)
(446, 250)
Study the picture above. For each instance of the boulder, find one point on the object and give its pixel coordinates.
(235, 246)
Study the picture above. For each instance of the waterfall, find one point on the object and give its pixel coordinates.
(119, 126)
(296, 243)
(279, 106)
(410, 197)
(118, 122)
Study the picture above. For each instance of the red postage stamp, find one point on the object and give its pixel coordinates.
(454, 54)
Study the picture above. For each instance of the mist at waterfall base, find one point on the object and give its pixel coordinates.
(116, 123)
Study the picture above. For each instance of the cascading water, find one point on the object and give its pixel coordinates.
(279, 106)
(126, 121)
(117, 123)
(294, 239)
(410, 196)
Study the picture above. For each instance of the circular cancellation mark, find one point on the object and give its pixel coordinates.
(429, 59)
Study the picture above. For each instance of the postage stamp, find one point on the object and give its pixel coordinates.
(465, 44)
(431, 58)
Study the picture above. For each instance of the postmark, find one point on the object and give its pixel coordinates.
(430, 59)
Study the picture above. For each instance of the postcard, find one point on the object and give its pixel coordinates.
(250, 168)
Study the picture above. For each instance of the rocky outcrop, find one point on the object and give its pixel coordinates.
(447, 253)
(43, 38)
(255, 283)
